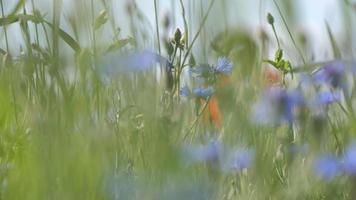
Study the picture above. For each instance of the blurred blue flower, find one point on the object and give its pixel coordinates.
(133, 62)
(327, 98)
(350, 160)
(327, 167)
(277, 106)
(332, 74)
(223, 66)
(185, 92)
(203, 153)
(240, 159)
(203, 93)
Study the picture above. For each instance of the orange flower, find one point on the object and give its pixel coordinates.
(212, 114)
(272, 76)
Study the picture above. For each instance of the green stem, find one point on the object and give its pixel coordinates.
(289, 32)
(157, 27)
(198, 32)
(197, 118)
(185, 23)
(5, 30)
(275, 34)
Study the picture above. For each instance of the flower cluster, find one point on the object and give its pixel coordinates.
(279, 105)
(220, 158)
(328, 166)
(203, 93)
(222, 67)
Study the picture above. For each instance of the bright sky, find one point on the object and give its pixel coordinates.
(311, 15)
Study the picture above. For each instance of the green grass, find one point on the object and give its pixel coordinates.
(66, 132)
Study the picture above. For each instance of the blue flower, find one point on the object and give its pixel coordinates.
(133, 62)
(223, 66)
(327, 98)
(277, 105)
(240, 159)
(332, 74)
(185, 92)
(203, 93)
(204, 153)
(327, 167)
(350, 160)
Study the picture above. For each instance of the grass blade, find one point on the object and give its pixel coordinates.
(335, 47)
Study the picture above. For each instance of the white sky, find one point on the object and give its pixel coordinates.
(311, 16)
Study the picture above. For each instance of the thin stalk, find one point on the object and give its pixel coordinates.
(197, 118)
(5, 30)
(289, 32)
(157, 27)
(276, 36)
(198, 32)
(186, 31)
(225, 14)
(93, 29)
(36, 27)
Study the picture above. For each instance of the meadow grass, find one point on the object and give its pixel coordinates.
(87, 112)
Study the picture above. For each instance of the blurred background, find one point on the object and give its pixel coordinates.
(73, 126)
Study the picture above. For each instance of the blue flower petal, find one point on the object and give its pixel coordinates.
(331, 74)
(350, 160)
(327, 98)
(204, 93)
(185, 91)
(327, 167)
(224, 66)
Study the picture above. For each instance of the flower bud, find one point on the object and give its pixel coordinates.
(270, 19)
(279, 55)
(177, 36)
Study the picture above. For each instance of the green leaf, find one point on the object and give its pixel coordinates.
(66, 37)
(36, 19)
(8, 20)
(336, 50)
(274, 64)
(279, 55)
(101, 19)
(18, 6)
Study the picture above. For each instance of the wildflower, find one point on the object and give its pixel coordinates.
(272, 76)
(277, 106)
(219, 157)
(240, 159)
(332, 74)
(270, 18)
(350, 160)
(204, 153)
(134, 62)
(327, 98)
(213, 113)
(203, 93)
(327, 167)
(223, 66)
(178, 36)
